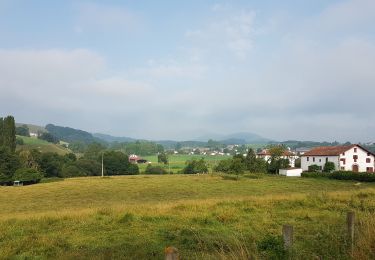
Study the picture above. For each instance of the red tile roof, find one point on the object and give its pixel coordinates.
(329, 150)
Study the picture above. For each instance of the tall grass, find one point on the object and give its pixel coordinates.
(205, 217)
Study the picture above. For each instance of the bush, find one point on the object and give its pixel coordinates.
(315, 175)
(27, 175)
(155, 170)
(195, 166)
(329, 167)
(355, 176)
(71, 170)
(314, 168)
(132, 169)
(19, 141)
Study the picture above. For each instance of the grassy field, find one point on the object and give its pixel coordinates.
(205, 217)
(41, 145)
(177, 161)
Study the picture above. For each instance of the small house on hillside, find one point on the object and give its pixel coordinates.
(346, 158)
(266, 155)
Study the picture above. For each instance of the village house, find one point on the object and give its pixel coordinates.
(266, 155)
(346, 158)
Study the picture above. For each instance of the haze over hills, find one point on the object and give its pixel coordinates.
(235, 138)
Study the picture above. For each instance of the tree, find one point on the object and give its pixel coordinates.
(51, 164)
(117, 163)
(9, 133)
(94, 151)
(314, 168)
(150, 169)
(27, 175)
(30, 158)
(48, 137)
(276, 162)
(9, 163)
(1, 131)
(195, 166)
(163, 158)
(329, 167)
(23, 130)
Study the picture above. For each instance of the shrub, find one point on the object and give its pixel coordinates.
(315, 175)
(27, 175)
(314, 168)
(71, 170)
(195, 166)
(155, 170)
(355, 176)
(329, 167)
(132, 169)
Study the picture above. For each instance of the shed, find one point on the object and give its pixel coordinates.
(291, 172)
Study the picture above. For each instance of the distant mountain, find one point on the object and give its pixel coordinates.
(110, 138)
(236, 138)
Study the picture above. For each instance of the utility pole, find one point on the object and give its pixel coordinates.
(102, 165)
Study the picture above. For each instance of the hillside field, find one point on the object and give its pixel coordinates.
(178, 161)
(41, 145)
(204, 216)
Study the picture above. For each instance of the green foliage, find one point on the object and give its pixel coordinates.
(143, 148)
(94, 151)
(1, 131)
(272, 247)
(78, 147)
(163, 158)
(9, 163)
(71, 170)
(88, 167)
(253, 164)
(329, 167)
(30, 158)
(19, 141)
(23, 130)
(69, 135)
(27, 175)
(51, 164)
(195, 166)
(355, 176)
(48, 137)
(151, 169)
(9, 133)
(314, 168)
(315, 175)
(117, 163)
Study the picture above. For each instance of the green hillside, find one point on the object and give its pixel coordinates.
(41, 145)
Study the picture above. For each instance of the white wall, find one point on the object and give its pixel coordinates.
(361, 161)
(291, 172)
(318, 160)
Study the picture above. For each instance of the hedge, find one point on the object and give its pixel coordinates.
(342, 175)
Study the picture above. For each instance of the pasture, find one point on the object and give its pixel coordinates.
(204, 216)
(178, 161)
(41, 145)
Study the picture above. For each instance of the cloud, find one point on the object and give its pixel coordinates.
(228, 30)
(94, 16)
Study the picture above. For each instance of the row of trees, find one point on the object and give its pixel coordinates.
(250, 163)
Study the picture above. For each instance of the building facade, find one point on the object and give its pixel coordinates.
(345, 158)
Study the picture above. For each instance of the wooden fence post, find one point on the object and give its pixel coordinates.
(171, 253)
(288, 236)
(350, 219)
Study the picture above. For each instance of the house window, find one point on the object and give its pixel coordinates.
(313, 159)
(368, 154)
(343, 153)
(326, 159)
(368, 160)
(343, 168)
(369, 169)
(355, 157)
(320, 160)
(343, 161)
(307, 159)
(355, 150)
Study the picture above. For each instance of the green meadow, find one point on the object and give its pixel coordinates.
(41, 145)
(204, 216)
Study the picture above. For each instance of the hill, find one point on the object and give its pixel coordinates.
(110, 138)
(70, 135)
(236, 138)
(33, 128)
(41, 145)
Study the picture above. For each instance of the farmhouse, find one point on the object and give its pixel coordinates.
(346, 158)
(266, 155)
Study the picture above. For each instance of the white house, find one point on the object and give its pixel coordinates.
(266, 155)
(346, 158)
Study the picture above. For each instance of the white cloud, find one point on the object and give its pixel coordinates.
(229, 30)
(106, 17)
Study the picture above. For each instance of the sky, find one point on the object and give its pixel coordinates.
(183, 69)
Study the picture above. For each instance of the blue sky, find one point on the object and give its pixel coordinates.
(179, 70)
